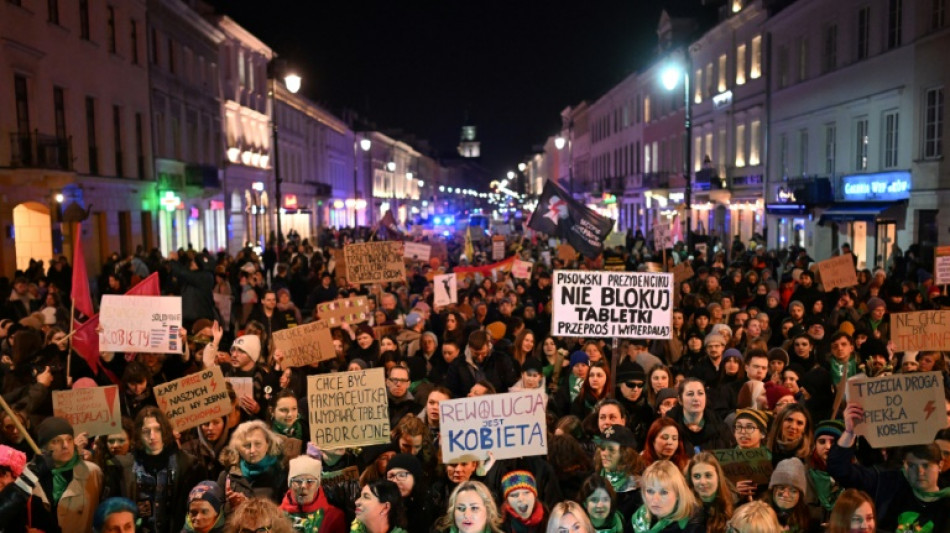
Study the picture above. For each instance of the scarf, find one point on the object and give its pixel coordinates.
(519, 524)
(908, 522)
(218, 524)
(839, 372)
(613, 524)
(360, 527)
(251, 471)
(574, 385)
(294, 430)
(824, 487)
(618, 480)
(931, 496)
(641, 523)
(59, 480)
(307, 518)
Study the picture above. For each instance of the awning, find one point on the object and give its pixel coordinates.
(786, 209)
(857, 211)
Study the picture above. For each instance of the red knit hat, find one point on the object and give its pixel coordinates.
(774, 392)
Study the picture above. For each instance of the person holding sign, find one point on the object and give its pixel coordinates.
(909, 498)
(245, 354)
(305, 504)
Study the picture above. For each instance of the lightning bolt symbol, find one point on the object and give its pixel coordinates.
(929, 409)
(214, 385)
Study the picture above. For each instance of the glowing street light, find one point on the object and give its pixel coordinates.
(559, 142)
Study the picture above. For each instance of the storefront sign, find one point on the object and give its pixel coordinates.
(290, 201)
(881, 186)
(784, 195)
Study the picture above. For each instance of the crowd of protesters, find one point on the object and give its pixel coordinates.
(758, 356)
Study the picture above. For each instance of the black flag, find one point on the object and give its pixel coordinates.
(560, 215)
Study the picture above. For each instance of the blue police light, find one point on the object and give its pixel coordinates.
(437, 221)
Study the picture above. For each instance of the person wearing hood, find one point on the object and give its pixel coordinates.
(205, 509)
(212, 437)
(480, 362)
(305, 503)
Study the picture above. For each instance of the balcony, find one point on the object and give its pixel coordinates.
(36, 150)
(656, 180)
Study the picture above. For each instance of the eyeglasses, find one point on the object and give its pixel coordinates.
(400, 381)
(790, 491)
(299, 482)
(402, 476)
(634, 384)
(745, 429)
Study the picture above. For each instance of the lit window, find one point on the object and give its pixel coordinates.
(740, 64)
(755, 71)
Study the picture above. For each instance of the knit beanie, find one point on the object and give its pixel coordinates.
(666, 394)
(773, 294)
(714, 337)
(303, 465)
(249, 344)
(51, 428)
(732, 352)
(778, 354)
(791, 473)
(832, 428)
(759, 418)
(775, 392)
(517, 480)
(875, 303)
(13, 459)
(407, 462)
(496, 330)
(630, 370)
(580, 356)
(847, 327)
(207, 491)
(367, 329)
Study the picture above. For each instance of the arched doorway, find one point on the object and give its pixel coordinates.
(32, 233)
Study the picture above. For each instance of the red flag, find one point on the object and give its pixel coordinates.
(80, 291)
(147, 287)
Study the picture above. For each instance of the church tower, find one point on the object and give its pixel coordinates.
(469, 145)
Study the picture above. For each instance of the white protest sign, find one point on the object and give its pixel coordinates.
(942, 265)
(900, 409)
(194, 399)
(417, 251)
(508, 425)
(348, 409)
(521, 269)
(94, 410)
(446, 290)
(243, 387)
(662, 237)
(144, 324)
(612, 304)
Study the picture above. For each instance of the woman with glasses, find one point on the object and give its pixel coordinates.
(405, 470)
(713, 490)
(599, 500)
(786, 496)
(618, 462)
(664, 442)
(669, 505)
(595, 388)
(751, 426)
(853, 513)
(255, 464)
(471, 509)
(569, 517)
(258, 515)
(306, 504)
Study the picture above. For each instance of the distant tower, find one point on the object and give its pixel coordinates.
(469, 146)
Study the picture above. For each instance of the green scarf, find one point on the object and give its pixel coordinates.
(642, 525)
(931, 496)
(251, 471)
(825, 487)
(618, 480)
(613, 524)
(359, 527)
(59, 480)
(294, 430)
(574, 385)
(838, 370)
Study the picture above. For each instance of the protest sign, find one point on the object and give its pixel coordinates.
(382, 331)
(900, 409)
(243, 387)
(612, 304)
(566, 252)
(921, 330)
(682, 272)
(194, 399)
(616, 238)
(497, 247)
(374, 262)
(352, 310)
(508, 425)
(700, 248)
(445, 290)
(440, 250)
(330, 480)
(417, 251)
(143, 324)
(94, 410)
(348, 409)
(746, 465)
(521, 269)
(662, 237)
(838, 272)
(942, 265)
(305, 344)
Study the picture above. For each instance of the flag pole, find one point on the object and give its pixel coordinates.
(72, 322)
(19, 426)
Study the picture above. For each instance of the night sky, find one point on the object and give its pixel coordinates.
(422, 66)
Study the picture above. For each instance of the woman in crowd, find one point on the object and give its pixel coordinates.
(112, 454)
(456, 472)
(791, 434)
(547, 353)
(754, 517)
(703, 428)
(853, 513)
(258, 515)
(658, 378)
(255, 464)
(285, 416)
(571, 463)
(523, 347)
(306, 503)
(713, 490)
(366, 346)
(205, 509)
(596, 387)
(620, 464)
(664, 443)
(569, 517)
(599, 500)
(454, 329)
(413, 437)
(668, 503)
(786, 495)
(430, 414)
(211, 439)
(471, 509)
(522, 511)
(406, 472)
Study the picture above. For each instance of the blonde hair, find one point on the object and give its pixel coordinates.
(666, 474)
(240, 435)
(568, 508)
(258, 510)
(755, 517)
(494, 521)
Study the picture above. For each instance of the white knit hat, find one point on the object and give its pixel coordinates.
(249, 344)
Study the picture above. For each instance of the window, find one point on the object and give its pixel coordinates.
(176, 137)
(740, 145)
(933, 123)
(242, 77)
(722, 74)
(171, 55)
(22, 105)
(159, 123)
(755, 72)
(708, 89)
(134, 44)
(861, 148)
(864, 29)
(91, 135)
(110, 28)
(139, 147)
(890, 139)
(754, 142)
(830, 148)
(647, 159)
(803, 152)
(938, 13)
(698, 83)
(894, 21)
(155, 55)
(740, 64)
(829, 48)
(52, 11)
(646, 109)
(782, 60)
(707, 152)
(802, 58)
(697, 153)
(59, 112)
(721, 151)
(117, 139)
(655, 159)
(84, 19)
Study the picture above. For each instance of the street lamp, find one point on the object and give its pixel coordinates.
(670, 77)
(559, 142)
(292, 83)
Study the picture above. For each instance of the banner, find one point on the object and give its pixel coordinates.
(497, 247)
(305, 344)
(348, 409)
(508, 425)
(374, 262)
(352, 310)
(521, 269)
(143, 324)
(485, 270)
(194, 399)
(942, 265)
(921, 331)
(612, 304)
(746, 465)
(838, 272)
(900, 409)
(561, 215)
(93, 410)
(445, 289)
(417, 251)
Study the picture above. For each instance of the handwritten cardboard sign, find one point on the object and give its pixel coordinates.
(497, 247)
(662, 237)
(508, 425)
(521, 269)
(243, 387)
(144, 324)
(352, 310)
(374, 262)
(417, 251)
(838, 272)
(194, 399)
(942, 265)
(94, 410)
(921, 330)
(382, 331)
(331, 480)
(682, 272)
(305, 344)
(445, 290)
(900, 409)
(746, 465)
(612, 304)
(348, 409)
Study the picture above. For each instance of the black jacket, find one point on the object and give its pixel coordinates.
(498, 368)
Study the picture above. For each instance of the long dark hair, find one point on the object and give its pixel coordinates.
(388, 492)
(590, 485)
